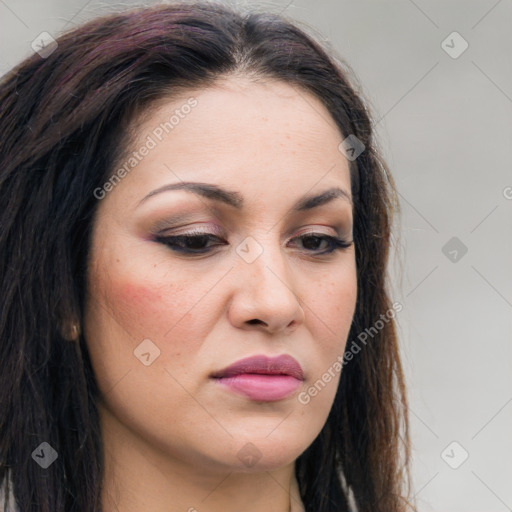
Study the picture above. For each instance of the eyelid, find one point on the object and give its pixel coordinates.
(166, 225)
(209, 231)
(163, 229)
(348, 240)
(338, 231)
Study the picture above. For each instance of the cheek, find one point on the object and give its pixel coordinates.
(130, 304)
(163, 313)
(138, 302)
(126, 310)
(333, 303)
(331, 313)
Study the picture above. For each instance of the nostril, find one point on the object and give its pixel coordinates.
(255, 321)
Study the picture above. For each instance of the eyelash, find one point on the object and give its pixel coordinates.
(335, 243)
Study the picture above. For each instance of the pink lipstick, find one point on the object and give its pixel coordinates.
(262, 378)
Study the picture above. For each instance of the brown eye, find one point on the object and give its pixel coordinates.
(189, 243)
(311, 241)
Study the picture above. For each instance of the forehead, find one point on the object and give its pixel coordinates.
(266, 134)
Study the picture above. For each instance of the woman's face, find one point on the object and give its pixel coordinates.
(165, 316)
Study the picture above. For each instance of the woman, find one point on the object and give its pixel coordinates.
(195, 236)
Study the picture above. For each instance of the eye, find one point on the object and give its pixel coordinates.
(189, 243)
(197, 242)
(311, 240)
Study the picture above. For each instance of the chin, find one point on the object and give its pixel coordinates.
(265, 452)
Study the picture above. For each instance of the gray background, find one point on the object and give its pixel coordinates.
(445, 127)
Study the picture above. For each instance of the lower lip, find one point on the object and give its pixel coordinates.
(263, 388)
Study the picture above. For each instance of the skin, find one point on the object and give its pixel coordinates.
(171, 433)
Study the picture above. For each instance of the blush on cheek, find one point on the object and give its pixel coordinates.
(141, 308)
(168, 314)
(138, 293)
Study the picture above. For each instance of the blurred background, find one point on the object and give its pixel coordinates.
(438, 77)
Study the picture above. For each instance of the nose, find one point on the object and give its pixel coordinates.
(265, 294)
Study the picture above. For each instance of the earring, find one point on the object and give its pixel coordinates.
(71, 331)
(75, 330)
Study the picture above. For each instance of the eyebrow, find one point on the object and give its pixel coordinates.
(236, 200)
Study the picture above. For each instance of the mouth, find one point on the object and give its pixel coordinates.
(262, 378)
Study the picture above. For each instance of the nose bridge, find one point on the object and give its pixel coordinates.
(264, 268)
(258, 250)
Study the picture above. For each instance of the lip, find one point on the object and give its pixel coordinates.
(262, 378)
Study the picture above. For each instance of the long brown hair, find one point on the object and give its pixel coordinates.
(63, 120)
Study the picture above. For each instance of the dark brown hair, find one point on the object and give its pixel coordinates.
(64, 123)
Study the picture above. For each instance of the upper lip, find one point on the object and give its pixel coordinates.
(280, 365)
